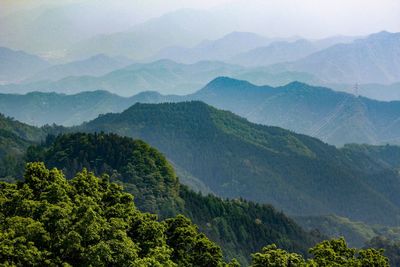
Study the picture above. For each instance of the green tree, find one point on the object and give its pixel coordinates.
(332, 253)
(275, 257)
(89, 221)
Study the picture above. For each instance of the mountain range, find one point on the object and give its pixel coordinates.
(334, 117)
(370, 64)
(143, 40)
(97, 65)
(236, 158)
(239, 226)
(373, 59)
(221, 49)
(164, 76)
(17, 65)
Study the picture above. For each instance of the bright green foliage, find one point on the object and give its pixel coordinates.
(391, 248)
(332, 253)
(143, 171)
(335, 252)
(88, 221)
(274, 257)
(191, 248)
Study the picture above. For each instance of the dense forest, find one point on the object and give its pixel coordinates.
(15, 138)
(236, 158)
(240, 227)
(48, 220)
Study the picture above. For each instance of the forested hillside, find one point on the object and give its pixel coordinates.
(88, 221)
(15, 138)
(334, 117)
(47, 108)
(236, 158)
(239, 226)
(85, 221)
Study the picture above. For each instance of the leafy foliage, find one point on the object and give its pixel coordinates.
(88, 221)
(327, 253)
(391, 248)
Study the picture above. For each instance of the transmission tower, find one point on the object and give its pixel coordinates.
(355, 90)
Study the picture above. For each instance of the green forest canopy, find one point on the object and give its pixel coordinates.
(90, 221)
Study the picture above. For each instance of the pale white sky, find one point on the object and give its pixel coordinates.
(309, 18)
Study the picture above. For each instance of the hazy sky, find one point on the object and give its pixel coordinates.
(309, 18)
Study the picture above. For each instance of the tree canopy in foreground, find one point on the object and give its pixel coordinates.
(48, 220)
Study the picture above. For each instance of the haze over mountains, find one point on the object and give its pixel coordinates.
(235, 125)
(221, 49)
(18, 65)
(164, 76)
(97, 65)
(334, 117)
(374, 59)
(371, 62)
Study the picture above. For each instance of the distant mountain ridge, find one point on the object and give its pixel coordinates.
(94, 66)
(334, 117)
(220, 49)
(276, 52)
(374, 59)
(143, 40)
(18, 65)
(165, 76)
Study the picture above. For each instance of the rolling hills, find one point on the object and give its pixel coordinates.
(146, 174)
(47, 108)
(236, 158)
(164, 76)
(334, 117)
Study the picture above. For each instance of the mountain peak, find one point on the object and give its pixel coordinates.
(384, 35)
(225, 81)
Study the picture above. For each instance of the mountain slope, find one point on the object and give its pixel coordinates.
(357, 234)
(334, 117)
(17, 65)
(146, 174)
(165, 76)
(276, 52)
(143, 40)
(15, 138)
(48, 108)
(220, 49)
(374, 59)
(94, 66)
(236, 158)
